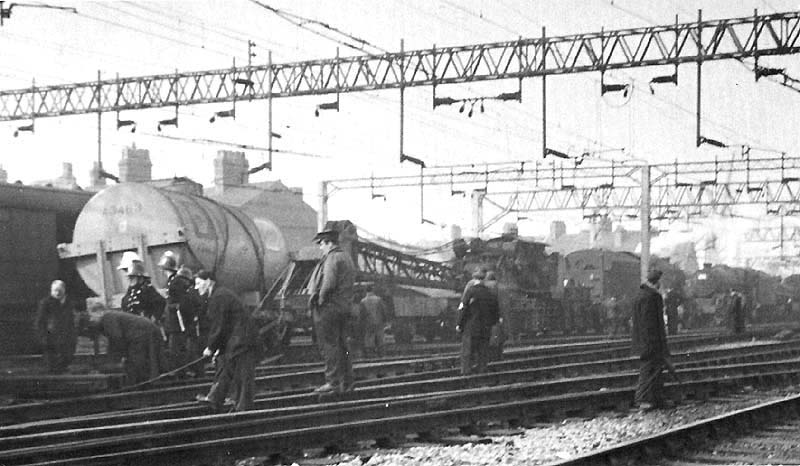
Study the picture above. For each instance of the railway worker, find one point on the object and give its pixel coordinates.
(498, 335)
(234, 338)
(479, 311)
(141, 298)
(649, 342)
(179, 311)
(55, 325)
(330, 301)
(672, 300)
(736, 312)
(133, 338)
(372, 313)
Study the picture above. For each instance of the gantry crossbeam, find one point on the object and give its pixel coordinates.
(732, 38)
(677, 190)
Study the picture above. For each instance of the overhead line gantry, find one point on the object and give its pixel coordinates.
(690, 42)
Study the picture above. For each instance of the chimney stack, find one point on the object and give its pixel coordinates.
(557, 229)
(135, 166)
(67, 179)
(230, 169)
(3, 175)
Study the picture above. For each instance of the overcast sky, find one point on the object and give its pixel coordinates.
(138, 38)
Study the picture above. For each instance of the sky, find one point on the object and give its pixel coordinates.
(133, 38)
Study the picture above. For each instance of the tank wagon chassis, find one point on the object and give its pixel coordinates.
(101, 251)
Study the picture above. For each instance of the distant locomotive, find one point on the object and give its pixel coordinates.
(766, 298)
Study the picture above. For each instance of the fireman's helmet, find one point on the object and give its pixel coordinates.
(168, 261)
(137, 270)
(128, 257)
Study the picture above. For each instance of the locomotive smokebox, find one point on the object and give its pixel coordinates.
(245, 251)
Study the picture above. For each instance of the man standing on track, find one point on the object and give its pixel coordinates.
(55, 325)
(141, 298)
(372, 313)
(331, 299)
(234, 337)
(179, 312)
(649, 343)
(478, 312)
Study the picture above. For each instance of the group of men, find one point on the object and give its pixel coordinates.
(202, 313)
(196, 313)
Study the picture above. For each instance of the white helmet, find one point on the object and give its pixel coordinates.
(128, 257)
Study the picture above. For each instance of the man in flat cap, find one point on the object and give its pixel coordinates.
(649, 343)
(331, 300)
(478, 312)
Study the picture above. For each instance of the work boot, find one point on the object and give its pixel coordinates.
(325, 389)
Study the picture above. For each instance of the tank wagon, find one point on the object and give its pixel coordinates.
(32, 220)
(242, 245)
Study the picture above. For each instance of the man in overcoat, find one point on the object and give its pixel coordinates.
(736, 312)
(330, 301)
(478, 312)
(649, 342)
(233, 336)
(55, 326)
(372, 313)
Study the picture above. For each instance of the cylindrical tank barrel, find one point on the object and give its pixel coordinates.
(245, 251)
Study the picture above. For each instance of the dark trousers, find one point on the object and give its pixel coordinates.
(474, 348)
(672, 321)
(143, 360)
(58, 354)
(331, 329)
(237, 372)
(182, 348)
(651, 382)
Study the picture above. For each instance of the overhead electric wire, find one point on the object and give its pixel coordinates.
(217, 142)
(153, 34)
(302, 22)
(152, 20)
(732, 131)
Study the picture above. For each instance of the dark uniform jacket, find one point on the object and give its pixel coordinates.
(55, 322)
(179, 300)
(332, 282)
(143, 300)
(233, 331)
(123, 329)
(479, 309)
(649, 339)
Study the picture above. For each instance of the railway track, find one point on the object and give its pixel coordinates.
(519, 358)
(518, 382)
(768, 433)
(367, 414)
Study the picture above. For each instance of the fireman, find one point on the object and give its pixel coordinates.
(179, 313)
(141, 298)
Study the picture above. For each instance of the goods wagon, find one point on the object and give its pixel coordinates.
(32, 221)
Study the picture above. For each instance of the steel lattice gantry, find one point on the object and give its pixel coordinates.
(757, 35)
(677, 190)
